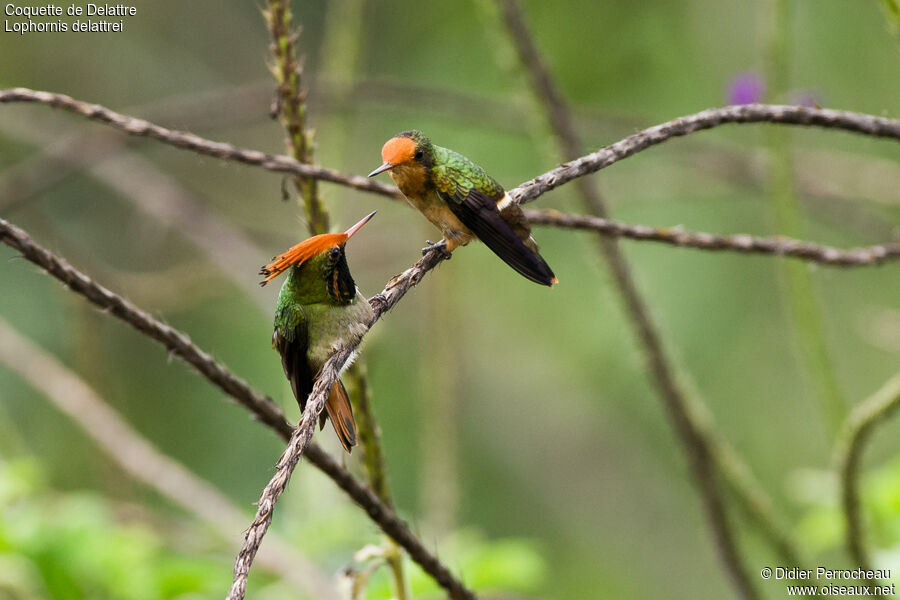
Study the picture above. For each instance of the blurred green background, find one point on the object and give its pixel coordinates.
(524, 439)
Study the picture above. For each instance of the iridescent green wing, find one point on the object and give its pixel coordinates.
(472, 195)
(455, 176)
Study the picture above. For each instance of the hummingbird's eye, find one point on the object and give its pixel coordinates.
(419, 155)
(334, 252)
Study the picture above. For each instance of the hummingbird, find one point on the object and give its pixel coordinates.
(463, 201)
(319, 311)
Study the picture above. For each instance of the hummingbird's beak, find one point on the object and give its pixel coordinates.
(381, 169)
(359, 225)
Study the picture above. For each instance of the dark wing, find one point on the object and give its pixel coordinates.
(291, 339)
(480, 214)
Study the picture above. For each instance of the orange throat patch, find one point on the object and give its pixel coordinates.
(410, 178)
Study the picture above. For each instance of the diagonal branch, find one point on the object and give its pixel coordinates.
(262, 407)
(288, 71)
(694, 442)
(747, 113)
(748, 244)
(143, 461)
(195, 143)
(590, 163)
(302, 436)
(856, 433)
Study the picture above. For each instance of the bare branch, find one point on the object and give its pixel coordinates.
(300, 439)
(291, 102)
(749, 244)
(195, 143)
(526, 192)
(143, 461)
(708, 119)
(695, 443)
(288, 71)
(175, 341)
(302, 436)
(857, 430)
(262, 407)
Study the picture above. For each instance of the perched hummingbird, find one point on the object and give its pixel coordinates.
(463, 201)
(319, 311)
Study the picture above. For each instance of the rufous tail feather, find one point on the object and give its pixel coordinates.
(338, 408)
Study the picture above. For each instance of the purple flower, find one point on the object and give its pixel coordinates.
(746, 88)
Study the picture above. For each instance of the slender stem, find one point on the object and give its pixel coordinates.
(292, 104)
(891, 10)
(751, 498)
(804, 306)
(342, 42)
(694, 442)
(373, 458)
(857, 431)
(292, 98)
(441, 384)
(292, 101)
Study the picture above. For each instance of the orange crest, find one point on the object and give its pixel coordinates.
(301, 253)
(398, 150)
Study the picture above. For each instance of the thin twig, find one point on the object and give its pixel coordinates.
(195, 143)
(262, 407)
(291, 101)
(174, 341)
(690, 434)
(157, 194)
(288, 71)
(857, 430)
(154, 192)
(798, 292)
(143, 461)
(749, 244)
(302, 436)
(749, 113)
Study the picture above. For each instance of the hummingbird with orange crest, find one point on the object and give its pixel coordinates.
(319, 311)
(463, 201)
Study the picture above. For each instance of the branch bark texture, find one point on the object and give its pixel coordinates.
(708, 119)
(262, 407)
(857, 431)
(859, 123)
(144, 462)
(302, 436)
(743, 243)
(195, 143)
(692, 437)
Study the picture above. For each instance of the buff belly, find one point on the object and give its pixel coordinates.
(337, 327)
(436, 211)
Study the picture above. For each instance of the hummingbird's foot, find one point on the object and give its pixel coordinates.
(441, 245)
